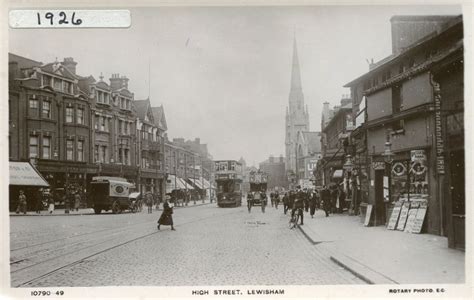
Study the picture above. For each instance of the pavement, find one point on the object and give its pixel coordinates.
(88, 211)
(381, 256)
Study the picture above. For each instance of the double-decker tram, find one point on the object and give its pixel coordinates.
(228, 176)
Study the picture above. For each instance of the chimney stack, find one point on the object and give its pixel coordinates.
(70, 64)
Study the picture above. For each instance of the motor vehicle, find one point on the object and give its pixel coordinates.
(110, 193)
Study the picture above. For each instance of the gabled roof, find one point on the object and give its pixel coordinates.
(23, 62)
(159, 117)
(58, 69)
(141, 106)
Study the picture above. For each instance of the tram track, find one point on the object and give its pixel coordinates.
(43, 268)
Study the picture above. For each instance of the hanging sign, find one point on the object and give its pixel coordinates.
(378, 165)
(398, 169)
(418, 155)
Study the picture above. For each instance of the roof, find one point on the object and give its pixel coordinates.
(341, 110)
(159, 117)
(392, 58)
(141, 106)
(58, 69)
(23, 62)
(313, 140)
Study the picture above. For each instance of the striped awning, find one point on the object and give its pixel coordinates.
(23, 173)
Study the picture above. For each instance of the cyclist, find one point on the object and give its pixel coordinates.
(298, 204)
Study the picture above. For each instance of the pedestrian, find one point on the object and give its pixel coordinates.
(39, 201)
(298, 204)
(158, 201)
(77, 201)
(313, 200)
(50, 200)
(149, 202)
(166, 217)
(21, 203)
(342, 200)
(67, 201)
(326, 199)
(277, 199)
(286, 201)
(333, 193)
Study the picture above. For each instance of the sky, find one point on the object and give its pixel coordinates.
(222, 74)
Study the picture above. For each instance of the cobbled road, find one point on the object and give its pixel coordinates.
(211, 246)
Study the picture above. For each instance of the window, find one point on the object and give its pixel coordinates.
(106, 98)
(47, 80)
(46, 147)
(70, 149)
(126, 156)
(69, 114)
(398, 126)
(57, 84)
(96, 153)
(80, 150)
(67, 87)
(120, 127)
(34, 103)
(33, 146)
(103, 151)
(120, 155)
(397, 99)
(103, 124)
(80, 116)
(46, 113)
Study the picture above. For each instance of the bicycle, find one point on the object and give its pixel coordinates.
(295, 218)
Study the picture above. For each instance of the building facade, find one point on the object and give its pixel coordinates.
(413, 128)
(77, 127)
(297, 117)
(275, 168)
(308, 154)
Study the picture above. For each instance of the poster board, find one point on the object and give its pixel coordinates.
(368, 214)
(419, 219)
(411, 219)
(392, 222)
(403, 216)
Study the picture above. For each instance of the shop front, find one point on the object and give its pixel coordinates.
(24, 177)
(404, 180)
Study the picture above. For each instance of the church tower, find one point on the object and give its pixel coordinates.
(297, 117)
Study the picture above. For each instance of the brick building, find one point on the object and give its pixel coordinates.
(73, 128)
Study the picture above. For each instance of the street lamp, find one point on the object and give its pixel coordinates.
(388, 158)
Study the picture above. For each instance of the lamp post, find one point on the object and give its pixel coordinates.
(388, 158)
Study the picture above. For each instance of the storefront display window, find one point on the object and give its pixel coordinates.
(410, 178)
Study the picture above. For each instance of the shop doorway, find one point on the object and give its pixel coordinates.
(379, 198)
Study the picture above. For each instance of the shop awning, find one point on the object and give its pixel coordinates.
(198, 182)
(23, 173)
(185, 185)
(174, 183)
(337, 174)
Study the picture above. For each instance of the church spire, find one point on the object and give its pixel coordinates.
(295, 70)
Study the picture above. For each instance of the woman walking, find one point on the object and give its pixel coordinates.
(166, 217)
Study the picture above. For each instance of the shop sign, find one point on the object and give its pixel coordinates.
(418, 168)
(439, 141)
(378, 165)
(311, 165)
(418, 155)
(398, 169)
